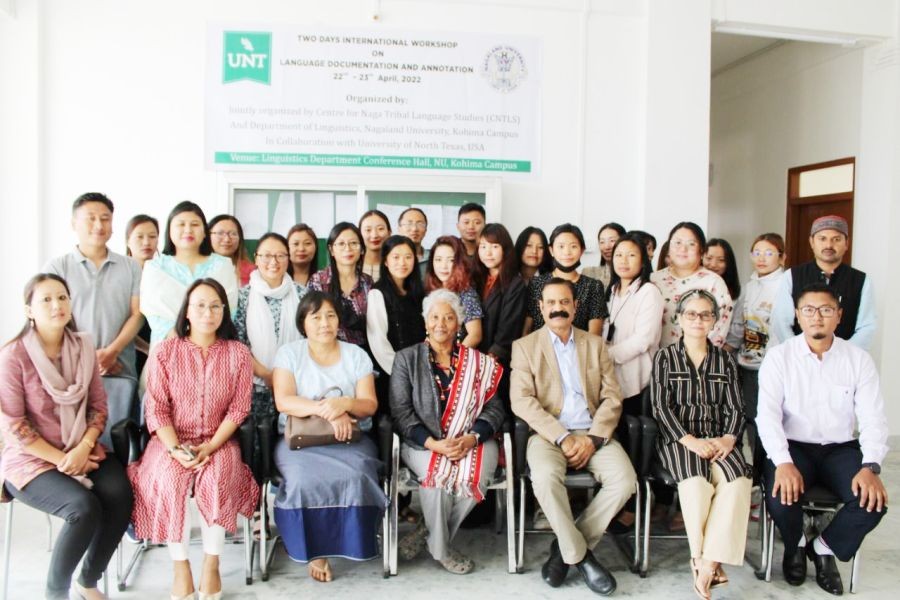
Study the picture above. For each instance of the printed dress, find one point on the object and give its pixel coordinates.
(194, 394)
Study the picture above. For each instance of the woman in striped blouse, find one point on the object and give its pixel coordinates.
(696, 399)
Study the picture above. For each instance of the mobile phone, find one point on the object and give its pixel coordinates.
(187, 450)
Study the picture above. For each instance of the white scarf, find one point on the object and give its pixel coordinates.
(261, 326)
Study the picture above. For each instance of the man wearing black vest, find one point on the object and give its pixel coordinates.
(829, 238)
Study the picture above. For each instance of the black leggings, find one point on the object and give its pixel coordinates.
(95, 520)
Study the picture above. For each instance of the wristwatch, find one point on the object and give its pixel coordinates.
(599, 442)
(477, 437)
(874, 467)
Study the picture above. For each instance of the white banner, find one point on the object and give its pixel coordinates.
(308, 96)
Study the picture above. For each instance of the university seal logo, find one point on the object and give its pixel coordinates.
(504, 68)
(247, 55)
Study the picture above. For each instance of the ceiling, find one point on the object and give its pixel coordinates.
(728, 49)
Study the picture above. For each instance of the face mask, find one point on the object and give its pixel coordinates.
(564, 269)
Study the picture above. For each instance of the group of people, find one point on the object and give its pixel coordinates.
(448, 342)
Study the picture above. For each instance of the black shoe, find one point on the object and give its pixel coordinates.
(596, 576)
(555, 569)
(794, 567)
(827, 575)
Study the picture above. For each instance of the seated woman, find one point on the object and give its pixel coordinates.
(431, 381)
(450, 268)
(198, 393)
(696, 397)
(330, 503)
(52, 410)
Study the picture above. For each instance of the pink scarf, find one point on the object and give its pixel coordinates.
(69, 388)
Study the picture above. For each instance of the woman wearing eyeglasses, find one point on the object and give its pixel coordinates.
(198, 394)
(696, 398)
(227, 238)
(264, 319)
(344, 280)
(685, 272)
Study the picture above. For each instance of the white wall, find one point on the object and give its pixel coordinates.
(108, 96)
(805, 103)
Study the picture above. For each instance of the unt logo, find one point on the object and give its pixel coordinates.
(247, 55)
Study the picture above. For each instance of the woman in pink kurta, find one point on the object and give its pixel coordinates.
(198, 393)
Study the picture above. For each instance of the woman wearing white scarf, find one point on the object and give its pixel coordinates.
(52, 410)
(266, 311)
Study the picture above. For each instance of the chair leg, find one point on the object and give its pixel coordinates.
(49, 533)
(520, 560)
(636, 558)
(386, 535)
(854, 572)
(510, 497)
(7, 542)
(395, 483)
(645, 555)
(771, 548)
(263, 534)
(248, 550)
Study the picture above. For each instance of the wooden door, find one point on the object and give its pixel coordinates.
(815, 191)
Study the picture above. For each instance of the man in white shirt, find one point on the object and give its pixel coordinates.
(815, 391)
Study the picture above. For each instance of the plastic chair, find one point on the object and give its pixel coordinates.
(403, 481)
(629, 436)
(129, 440)
(268, 437)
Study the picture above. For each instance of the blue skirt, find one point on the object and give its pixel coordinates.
(331, 503)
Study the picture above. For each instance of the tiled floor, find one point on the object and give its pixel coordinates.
(669, 577)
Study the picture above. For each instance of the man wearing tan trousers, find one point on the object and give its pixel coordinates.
(564, 386)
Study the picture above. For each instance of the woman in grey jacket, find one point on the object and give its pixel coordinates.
(444, 408)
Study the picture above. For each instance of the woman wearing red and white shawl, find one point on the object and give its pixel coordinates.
(443, 405)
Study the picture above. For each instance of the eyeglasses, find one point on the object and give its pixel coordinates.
(826, 310)
(766, 253)
(226, 234)
(346, 245)
(414, 224)
(676, 243)
(267, 258)
(202, 308)
(693, 315)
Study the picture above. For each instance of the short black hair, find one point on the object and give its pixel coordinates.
(400, 218)
(817, 288)
(470, 207)
(567, 228)
(92, 197)
(648, 238)
(559, 281)
(312, 302)
(272, 235)
(226, 330)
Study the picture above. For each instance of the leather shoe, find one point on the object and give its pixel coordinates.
(555, 569)
(827, 575)
(596, 576)
(794, 567)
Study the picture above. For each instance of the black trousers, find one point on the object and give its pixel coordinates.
(95, 520)
(832, 466)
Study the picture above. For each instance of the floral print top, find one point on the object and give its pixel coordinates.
(672, 288)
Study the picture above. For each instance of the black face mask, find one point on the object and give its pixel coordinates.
(564, 269)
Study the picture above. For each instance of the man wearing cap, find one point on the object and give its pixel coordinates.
(829, 238)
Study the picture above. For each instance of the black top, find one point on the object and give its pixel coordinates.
(704, 402)
(406, 326)
(846, 282)
(504, 315)
(588, 294)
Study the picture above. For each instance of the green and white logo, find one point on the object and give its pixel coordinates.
(247, 55)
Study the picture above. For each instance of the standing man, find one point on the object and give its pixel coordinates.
(815, 391)
(564, 386)
(414, 225)
(105, 289)
(829, 238)
(469, 223)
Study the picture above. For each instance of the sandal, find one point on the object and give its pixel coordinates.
(720, 579)
(413, 542)
(703, 576)
(409, 515)
(318, 573)
(457, 563)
